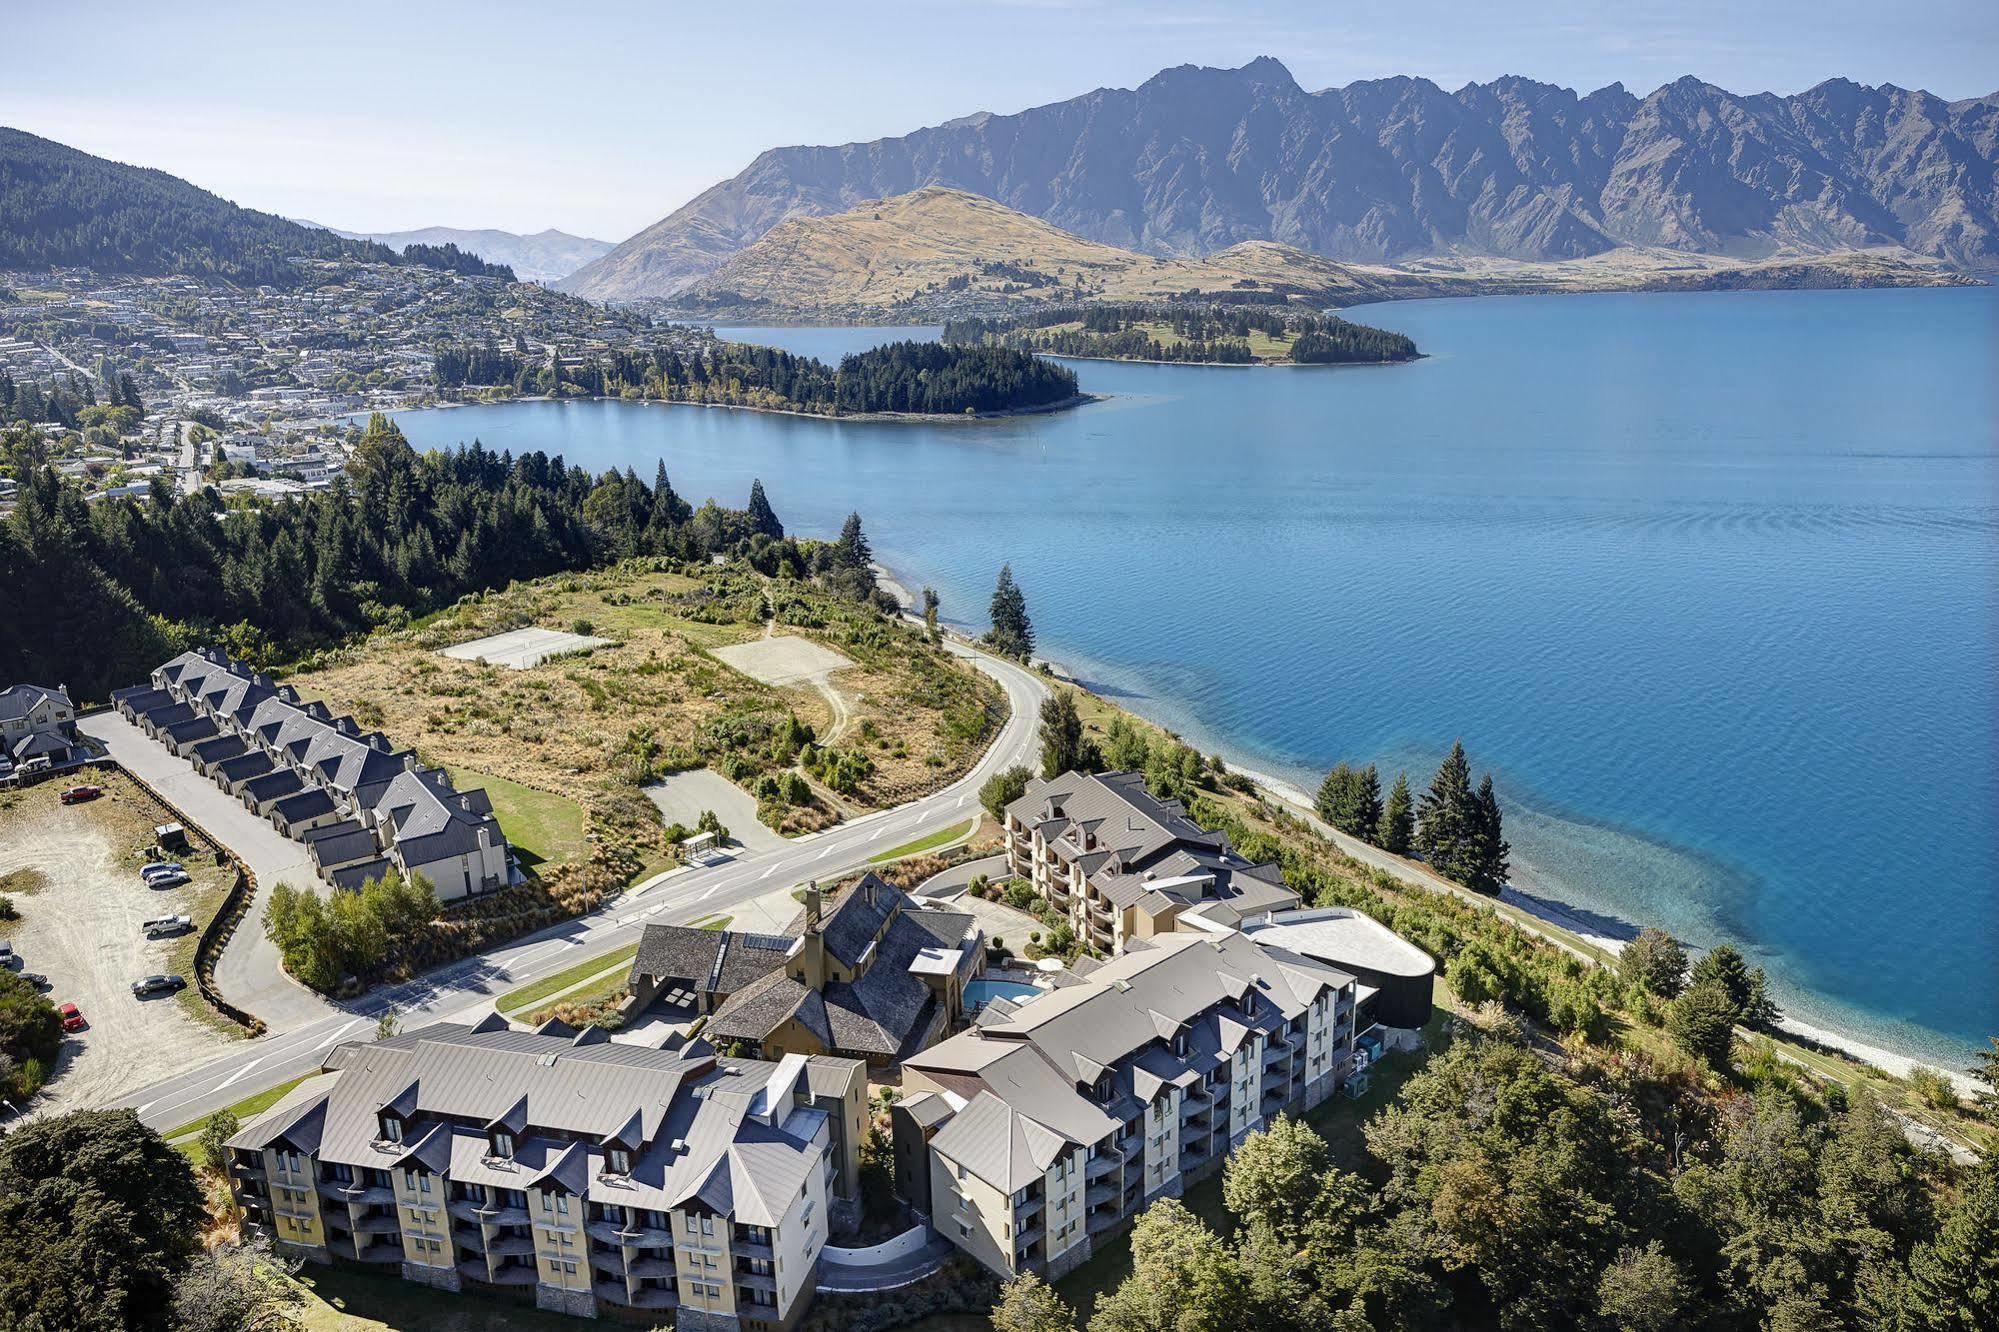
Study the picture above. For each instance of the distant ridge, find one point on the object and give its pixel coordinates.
(1196, 160)
(60, 206)
(542, 257)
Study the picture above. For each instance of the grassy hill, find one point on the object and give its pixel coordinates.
(60, 207)
(940, 247)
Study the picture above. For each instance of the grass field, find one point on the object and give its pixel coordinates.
(23, 882)
(544, 828)
(617, 960)
(340, 1299)
(254, 1104)
(942, 837)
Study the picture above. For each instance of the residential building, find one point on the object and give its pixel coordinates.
(38, 731)
(876, 977)
(361, 806)
(1053, 1121)
(601, 1175)
(1122, 864)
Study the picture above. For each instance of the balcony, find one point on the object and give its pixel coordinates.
(377, 1223)
(1132, 1148)
(756, 1281)
(661, 1269)
(355, 1191)
(514, 1274)
(242, 1169)
(1274, 1055)
(1102, 1164)
(496, 1213)
(473, 1271)
(1024, 1210)
(611, 1292)
(510, 1246)
(1100, 1194)
(1104, 1220)
(655, 1297)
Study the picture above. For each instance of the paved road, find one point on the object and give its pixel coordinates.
(249, 972)
(467, 988)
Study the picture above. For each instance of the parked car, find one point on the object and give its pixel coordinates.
(161, 926)
(76, 795)
(162, 867)
(7, 957)
(146, 985)
(72, 1017)
(173, 879)
(38, 980)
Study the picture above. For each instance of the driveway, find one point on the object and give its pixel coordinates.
(249, 973)
(684, 796)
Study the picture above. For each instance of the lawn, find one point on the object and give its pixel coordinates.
(941, 837)
(618, 959)
(254, 1104)
(543, 828)
(341, 1299)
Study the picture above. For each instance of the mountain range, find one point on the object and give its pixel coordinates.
(1196, 160)
(541, 257)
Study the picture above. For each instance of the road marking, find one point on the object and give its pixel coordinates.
(239, 1074)
(767, 873)
(340, 1031)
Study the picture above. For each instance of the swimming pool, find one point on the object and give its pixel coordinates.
(979, 993)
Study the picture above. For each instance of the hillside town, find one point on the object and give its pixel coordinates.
(130, 381)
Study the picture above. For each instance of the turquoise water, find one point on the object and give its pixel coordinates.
(979, 993)
(1707, 581)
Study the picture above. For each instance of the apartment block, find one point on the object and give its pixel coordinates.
(1053, 1121)
(605, 1177)
(1122, 864)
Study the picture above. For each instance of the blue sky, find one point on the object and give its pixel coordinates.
(600, 118)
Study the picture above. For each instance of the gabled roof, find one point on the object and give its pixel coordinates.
(17, 701)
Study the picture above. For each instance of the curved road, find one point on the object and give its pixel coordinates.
(466, 988)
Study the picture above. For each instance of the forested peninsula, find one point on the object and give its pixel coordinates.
(1195, 334)
(907, 378)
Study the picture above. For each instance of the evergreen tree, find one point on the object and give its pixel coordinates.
(1744, 985)
(1350, 800)
(1954, 1279)
(1366, 810)
(1396, 831)
(1489, 848)
(764, 519)
(1029, 1304)
(1446, 829)
(852, 550)
(1064, 747)
(930, 615)
(1702, 1021)
(1655, 961)
(1012, 633)
(1335, 793)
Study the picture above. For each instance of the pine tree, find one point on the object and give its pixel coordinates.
(1954, 1278)
(1489, 848)
(1012, 633)
(1445, 827)
(1744, 985)
(852, 550)
(1397, 828)
(1702, 1022)
(930, 615)
(1334, 793)
(763, 518)
(1366, 804)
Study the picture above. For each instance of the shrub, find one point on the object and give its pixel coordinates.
(1002, 789)
(7, 909)
(1933, 1088)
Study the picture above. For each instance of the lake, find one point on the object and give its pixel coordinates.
(1707, 581)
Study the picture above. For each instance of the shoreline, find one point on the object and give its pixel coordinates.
(1528, 897)
(1239, 365)
(894, 418)
(1564, 916)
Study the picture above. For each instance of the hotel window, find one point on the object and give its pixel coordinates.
(503, 1144)
(562, 1204)
(620, 1161)
(707, 1225)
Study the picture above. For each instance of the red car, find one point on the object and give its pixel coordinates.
(76, 795)
(71, 1015)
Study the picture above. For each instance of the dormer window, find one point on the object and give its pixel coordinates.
(392, 1128)
(1104, 1087)
(503, 1144)
(618, 1161)
(1180, 1043)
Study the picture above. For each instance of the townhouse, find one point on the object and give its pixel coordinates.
(606, 1177)
(877, 977)
(361, 807)
(1053, 1121)
(38, 731)
(1122, 864)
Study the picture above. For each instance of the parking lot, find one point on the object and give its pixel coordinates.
(81, 928)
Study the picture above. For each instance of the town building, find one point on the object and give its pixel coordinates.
(876, 977)
(361, 807)
(1055, 1120)
(38, 732)
(602, 1176)
(1122, 864)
